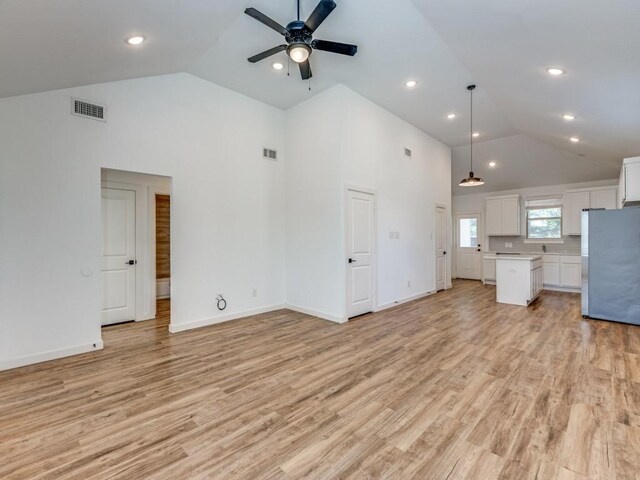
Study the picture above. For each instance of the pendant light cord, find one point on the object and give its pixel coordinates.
(298, 10)
(471, 129)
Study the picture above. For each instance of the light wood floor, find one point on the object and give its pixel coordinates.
(451, 386)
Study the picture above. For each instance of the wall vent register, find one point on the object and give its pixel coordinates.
(87, 110)
(269, 153)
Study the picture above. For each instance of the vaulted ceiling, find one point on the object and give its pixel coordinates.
(444, 45)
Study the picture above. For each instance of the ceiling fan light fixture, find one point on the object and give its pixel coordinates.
(299, 52)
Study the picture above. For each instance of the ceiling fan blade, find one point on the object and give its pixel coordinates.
(267, 53)
(321, 12)
(335, 47)
(262, 18)
(305, 70)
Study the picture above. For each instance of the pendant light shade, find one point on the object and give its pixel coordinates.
(471, 180)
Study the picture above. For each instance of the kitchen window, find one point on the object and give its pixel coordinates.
(544, 222)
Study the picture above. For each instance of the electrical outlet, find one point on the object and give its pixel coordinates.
(255, 292)
(408, 283)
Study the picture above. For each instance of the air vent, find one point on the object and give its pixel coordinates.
(408, 153)
(270, 154)
(87, 110)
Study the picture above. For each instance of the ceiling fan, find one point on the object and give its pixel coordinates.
(299, 37)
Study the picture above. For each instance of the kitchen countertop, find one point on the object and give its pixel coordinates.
(492, 255)
(524, 257)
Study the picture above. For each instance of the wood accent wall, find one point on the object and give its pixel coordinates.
(163, 236)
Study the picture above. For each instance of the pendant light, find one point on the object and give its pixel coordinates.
(471, 180)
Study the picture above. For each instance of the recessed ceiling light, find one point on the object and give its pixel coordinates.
(492, 164)
(555, 71)
(574, 139)
(278, 66)
(135, 40)
(451, 116)
(411, 83)
(476, 134)
(568, 116)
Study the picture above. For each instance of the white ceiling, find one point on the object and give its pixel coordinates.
(503, 46)
(522, 161)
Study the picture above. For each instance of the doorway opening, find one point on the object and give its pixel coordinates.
(136, 247)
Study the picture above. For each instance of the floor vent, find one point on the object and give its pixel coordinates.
(408, 153)
(87, 110)
(270, 154)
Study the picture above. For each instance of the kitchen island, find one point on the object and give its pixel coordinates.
(518, 278)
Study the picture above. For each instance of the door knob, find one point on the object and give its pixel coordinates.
(444, 253)
(351, 260)
(131, 262)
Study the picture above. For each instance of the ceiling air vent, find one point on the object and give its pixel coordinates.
(269, 154)
(87, 110)
(407, 152)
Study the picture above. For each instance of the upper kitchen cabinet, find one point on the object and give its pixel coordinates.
(574, 201)
(503, 215)
(573, 204)
(629, 186)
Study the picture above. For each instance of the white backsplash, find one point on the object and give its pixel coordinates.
(571, 245)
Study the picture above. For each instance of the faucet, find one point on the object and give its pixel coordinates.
(544, 248)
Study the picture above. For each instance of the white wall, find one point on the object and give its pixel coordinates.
(339, 138)
(228, 224)
(227, 206)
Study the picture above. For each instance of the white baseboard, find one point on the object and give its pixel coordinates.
(562, 289)
(181, 327)
(417, 296)
(50, 355)
(316, 313)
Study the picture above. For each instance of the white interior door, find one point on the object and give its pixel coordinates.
(118, 255)
(468, 248)
(360, 253)
(441, 248)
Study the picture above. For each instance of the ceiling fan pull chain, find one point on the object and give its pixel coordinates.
(309, 83)
(288, 65)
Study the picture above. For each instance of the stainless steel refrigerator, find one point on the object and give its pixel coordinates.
(611, 265)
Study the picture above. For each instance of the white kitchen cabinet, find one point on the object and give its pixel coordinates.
(603, 199)
(503, 216)
(574, 203)
(570, 271)
(551, 270)
(489, 269)
(630, 182)
(493, 212)
(518, 279)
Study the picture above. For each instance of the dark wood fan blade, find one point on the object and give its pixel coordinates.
(321, 12)
(335, 47)
(267, 53)
(305, 70)
(262, 18)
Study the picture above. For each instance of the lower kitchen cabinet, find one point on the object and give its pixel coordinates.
(489, 269)
(570, 275)
(551, 274)
(562, 270)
